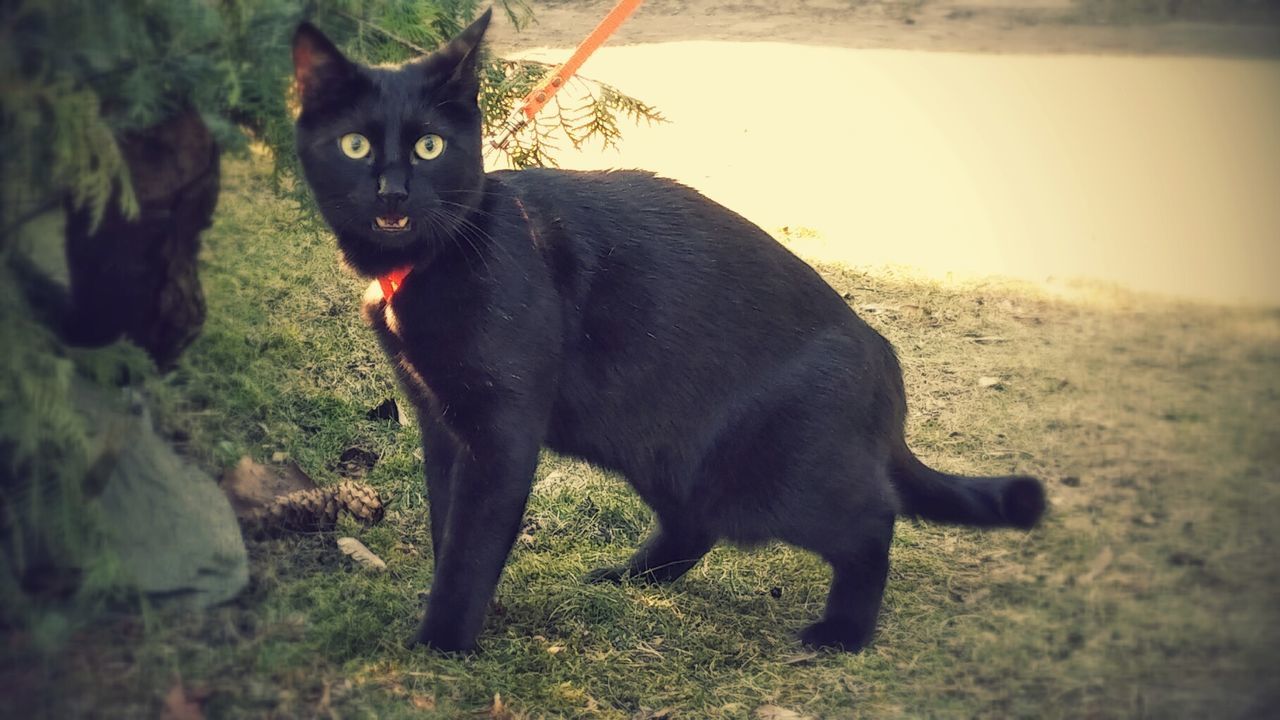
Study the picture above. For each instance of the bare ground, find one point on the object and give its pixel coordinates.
(992, 26)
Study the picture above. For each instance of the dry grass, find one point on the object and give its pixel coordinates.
(1149, 590)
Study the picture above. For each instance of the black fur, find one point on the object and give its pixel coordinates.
(627, 320)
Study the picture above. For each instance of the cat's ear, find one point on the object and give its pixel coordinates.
(319, 68)
(458, 59)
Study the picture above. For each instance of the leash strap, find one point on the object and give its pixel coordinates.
(541, 94)
(529, 107)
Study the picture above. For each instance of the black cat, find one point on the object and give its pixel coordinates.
(620, 318)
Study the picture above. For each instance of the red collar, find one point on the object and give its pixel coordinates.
(392, 281)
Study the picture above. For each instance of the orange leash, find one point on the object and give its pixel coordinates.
(533, 102)
(539, 95)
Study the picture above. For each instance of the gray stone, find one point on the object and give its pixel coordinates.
(169, 523)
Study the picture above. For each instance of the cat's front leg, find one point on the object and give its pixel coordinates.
(488, 489)
(439, 453)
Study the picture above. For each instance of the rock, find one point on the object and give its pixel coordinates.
(168, 523)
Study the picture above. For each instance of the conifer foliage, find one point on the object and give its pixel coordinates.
(79, 76)
(76, 74)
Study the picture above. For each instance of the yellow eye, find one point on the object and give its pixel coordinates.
(429, 147)
(354, 145)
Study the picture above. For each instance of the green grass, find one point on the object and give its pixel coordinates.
(1149, 590)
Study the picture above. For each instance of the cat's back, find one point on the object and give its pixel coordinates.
(617, 206)
(642, 254)
(636, 221)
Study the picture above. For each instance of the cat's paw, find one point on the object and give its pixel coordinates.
(606, 575)
(448, 643)
(837, 635)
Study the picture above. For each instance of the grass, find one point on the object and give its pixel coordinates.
(1148, 592)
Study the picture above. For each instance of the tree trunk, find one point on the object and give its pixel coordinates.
(138, 277)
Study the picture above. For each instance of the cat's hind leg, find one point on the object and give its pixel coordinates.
(859, 570)
(672, 548)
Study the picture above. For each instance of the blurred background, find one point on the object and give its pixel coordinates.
(1130, 142)
(1064, 214)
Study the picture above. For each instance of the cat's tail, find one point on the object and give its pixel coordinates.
(1007, 501)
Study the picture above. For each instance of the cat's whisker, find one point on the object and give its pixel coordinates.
(485, 241)
(466, 222)
(443, 231)
(468, 208)
(498, 247)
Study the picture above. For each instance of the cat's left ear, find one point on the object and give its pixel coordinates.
(460, 57)
(319, 69)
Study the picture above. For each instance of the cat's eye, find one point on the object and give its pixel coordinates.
(429, 147)
(354, 145)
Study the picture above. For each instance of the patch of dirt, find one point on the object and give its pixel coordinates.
(989, 26)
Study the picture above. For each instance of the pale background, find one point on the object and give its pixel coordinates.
(1148, 156)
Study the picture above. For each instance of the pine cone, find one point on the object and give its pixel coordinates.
(360, 500)
(316, 509)
(302, 511)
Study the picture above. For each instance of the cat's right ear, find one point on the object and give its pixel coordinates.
(319, 68)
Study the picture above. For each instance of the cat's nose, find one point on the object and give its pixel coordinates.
(393, 186)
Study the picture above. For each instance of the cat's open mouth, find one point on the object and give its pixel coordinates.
(391, 223)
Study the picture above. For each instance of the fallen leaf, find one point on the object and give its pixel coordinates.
(388, 409)
(424, 702)
(800, 658)
(554, 649)
(1099, 564)
(773, 712)
(875, 309)
(251, 486)
(179, 705)
(1182, 558)
(355, 462)
(499, 711)
(665, 713)
(295, 477)
(324, 707)
(357, 551)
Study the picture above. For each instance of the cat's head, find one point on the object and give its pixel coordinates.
(392, 155)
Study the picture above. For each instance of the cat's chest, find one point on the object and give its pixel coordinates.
(461, 341)
(379, 314)
(433, 343)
